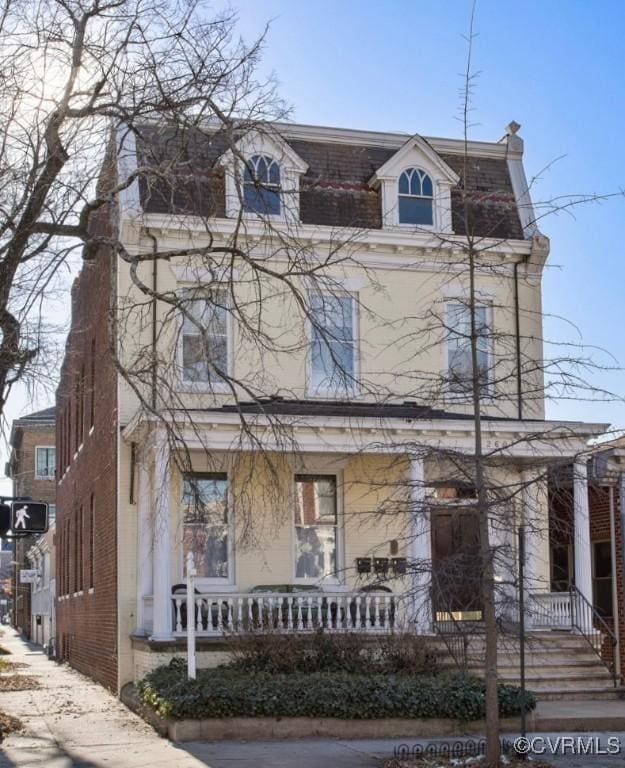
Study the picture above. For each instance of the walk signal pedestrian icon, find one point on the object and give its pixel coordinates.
(29, 517)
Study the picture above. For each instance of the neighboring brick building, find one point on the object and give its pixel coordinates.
(86, 577)
(31, 466)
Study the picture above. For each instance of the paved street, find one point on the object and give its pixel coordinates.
(72, 721)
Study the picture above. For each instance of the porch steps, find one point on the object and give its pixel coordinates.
(558, 665)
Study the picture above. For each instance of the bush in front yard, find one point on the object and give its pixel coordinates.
(227, 692)
(327, 652)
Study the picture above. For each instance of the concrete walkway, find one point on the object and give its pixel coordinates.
(73, 722)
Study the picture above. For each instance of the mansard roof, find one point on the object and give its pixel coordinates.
(336, 189)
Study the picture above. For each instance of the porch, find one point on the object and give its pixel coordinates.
(377, 541)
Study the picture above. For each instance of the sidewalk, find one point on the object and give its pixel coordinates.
(72, 721)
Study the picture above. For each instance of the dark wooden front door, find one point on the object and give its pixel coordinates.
(456, 572)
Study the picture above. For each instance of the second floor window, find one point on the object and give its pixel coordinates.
(415, 198)
(45, 462)
(204, 337)
(261, 186)
(459, 358)
(332, 354)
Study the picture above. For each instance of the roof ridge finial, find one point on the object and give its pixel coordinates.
(513, 127)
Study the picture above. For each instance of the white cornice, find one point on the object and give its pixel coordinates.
(394, 239)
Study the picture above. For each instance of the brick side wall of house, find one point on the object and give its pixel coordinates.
(25, 483)
(86, 564)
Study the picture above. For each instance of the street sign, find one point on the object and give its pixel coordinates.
(28, 577)
(29, 517)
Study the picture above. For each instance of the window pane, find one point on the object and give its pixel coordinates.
(315, 499)
(203, 354)
(602, 559)
(404, 184)
(459, 346)
(205, 529)
(45, 463)
(315, 555)
(264, 200)
(426, 186)
(415, 210)
(315, 526)
(332, 347)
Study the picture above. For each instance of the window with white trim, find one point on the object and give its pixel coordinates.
(459, 359)
(205, 527)
(204, 336)
(332, 344)
(261, 186)
(415, 198)
(316, 527)
(45, 462)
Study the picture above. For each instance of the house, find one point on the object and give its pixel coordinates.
(315, 461)
(32, 468)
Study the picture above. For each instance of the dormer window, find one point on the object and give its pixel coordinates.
(261, 186)
(415, 198)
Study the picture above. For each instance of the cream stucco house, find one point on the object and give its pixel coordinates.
(303, 426)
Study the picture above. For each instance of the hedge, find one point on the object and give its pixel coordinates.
(223, 692)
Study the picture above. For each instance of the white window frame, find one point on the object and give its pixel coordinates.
(218, 387)
(488, 391)
(292, 167)
(218, 583)
(339, 555)
(46, 448)
(327, 393)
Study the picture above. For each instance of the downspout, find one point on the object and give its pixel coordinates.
(517, 322)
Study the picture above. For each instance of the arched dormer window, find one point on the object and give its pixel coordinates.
(415, 198)
(261, 186)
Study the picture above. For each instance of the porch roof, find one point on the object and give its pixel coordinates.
(360, 427)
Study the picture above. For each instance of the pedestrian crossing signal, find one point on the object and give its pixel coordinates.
(29, 517)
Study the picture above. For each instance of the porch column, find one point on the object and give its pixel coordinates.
(583, 570)
(420, 548)
(162, 612)
(144, 541)
(530, 518)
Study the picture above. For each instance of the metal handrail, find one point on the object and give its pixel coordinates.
(456, 641)
(589, 623)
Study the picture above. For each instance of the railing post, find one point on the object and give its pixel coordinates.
(191, 661)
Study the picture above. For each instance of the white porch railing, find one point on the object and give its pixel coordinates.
(217, 614)
(551, 610)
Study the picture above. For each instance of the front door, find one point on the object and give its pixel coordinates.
(456, 571)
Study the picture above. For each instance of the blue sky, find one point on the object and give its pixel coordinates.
(557, 68)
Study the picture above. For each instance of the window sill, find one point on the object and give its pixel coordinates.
(322, 394)
(91, 590)
(202, 388)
